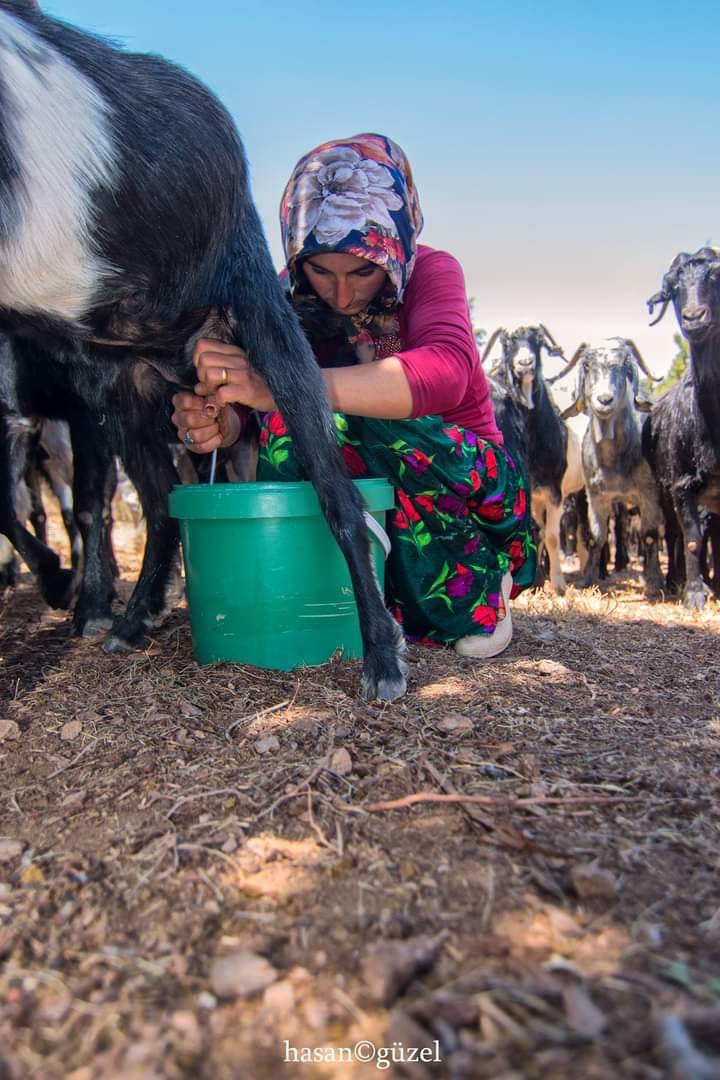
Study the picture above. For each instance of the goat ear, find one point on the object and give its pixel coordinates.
(631, 373)
(643, 403)
(573, 410)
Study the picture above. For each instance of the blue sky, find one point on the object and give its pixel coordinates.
(564, 152)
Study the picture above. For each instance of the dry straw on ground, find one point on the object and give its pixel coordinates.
(196, 865)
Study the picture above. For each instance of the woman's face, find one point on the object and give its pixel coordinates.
(347, 283)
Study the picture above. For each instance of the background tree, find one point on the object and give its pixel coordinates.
(478, 331)
(675, 371)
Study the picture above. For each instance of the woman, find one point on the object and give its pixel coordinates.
(389, 324)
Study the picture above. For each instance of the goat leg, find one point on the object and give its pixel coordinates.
(310, 424)
(687, 511)
(140, 439)
(279, 351)
(599, 509)
(56, 583)
(93, 486)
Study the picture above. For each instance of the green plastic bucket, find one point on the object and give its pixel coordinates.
(266, 581)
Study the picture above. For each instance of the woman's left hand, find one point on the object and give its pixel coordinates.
(225, 376)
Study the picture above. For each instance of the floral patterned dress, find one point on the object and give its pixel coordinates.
(461, 518)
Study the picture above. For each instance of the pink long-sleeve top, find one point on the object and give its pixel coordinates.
(440, 356)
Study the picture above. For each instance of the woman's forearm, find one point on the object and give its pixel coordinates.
(378, 389)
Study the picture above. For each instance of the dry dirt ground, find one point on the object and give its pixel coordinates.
(201, 874)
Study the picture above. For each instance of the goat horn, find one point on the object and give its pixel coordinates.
(658, 298)
(549, 336)
(491, 342)
(641, 363)
(570, 364)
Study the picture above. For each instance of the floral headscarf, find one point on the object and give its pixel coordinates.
(354, 196)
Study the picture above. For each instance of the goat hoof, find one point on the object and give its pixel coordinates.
(386, 689)
(8, 575)
(115, 644)
(695, 599)
(58, 590)
(384, 682)
(127, 634)
(95, 627)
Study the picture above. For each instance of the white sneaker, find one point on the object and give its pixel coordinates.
(485, 646)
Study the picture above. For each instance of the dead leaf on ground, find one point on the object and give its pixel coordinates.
(340, 762)
(74, 800)
(389, 968)
(552, 667)
(71, 730)
(592, 882)
(32, 875)
(455, 724)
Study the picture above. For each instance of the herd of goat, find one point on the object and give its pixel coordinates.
(127, 231)
(660, 462)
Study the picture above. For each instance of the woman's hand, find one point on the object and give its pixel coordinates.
(199, 432)
(204, 419)
(225, 376)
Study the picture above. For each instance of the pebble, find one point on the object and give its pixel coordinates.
(206, 1001)
(10, 849)
(267, 744)
(279, 997)
(591, 881)
(456, 724)
(340, 762)
(241, 974)
(9, 730)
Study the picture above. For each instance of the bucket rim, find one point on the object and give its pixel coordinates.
(267, 499)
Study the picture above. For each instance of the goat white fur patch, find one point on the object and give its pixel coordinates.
(59, 132)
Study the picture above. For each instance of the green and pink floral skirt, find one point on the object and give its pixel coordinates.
(461, 519)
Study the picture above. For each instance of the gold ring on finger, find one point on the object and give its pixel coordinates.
(224, 377)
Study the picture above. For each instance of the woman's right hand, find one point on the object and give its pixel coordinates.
(199, 432)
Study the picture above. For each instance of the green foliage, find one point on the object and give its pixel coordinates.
(478, 331)
(675, 371)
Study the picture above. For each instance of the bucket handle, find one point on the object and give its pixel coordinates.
(378, 532)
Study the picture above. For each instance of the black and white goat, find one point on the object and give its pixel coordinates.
(534, 430)
(682, 436)
(613, 463)
(127, 231)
